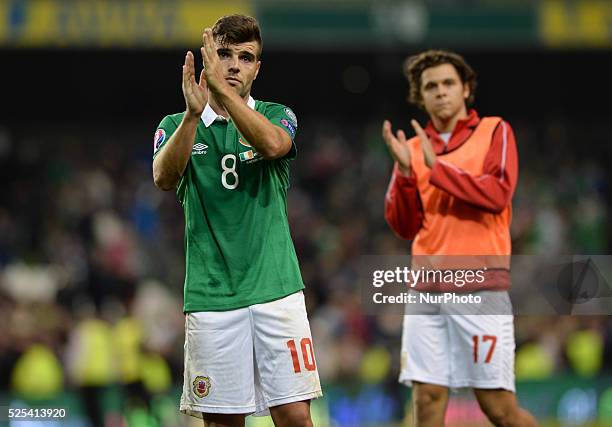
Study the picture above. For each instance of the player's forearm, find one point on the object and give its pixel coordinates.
(170, 163)
(486, 191)
(492, 190)
(268, 140)
(403, 208)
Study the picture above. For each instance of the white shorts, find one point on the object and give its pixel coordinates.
(456, 351)
(250, 359)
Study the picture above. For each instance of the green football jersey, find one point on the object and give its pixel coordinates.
(238, 245)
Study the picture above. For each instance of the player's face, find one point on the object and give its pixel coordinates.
(443, 92)
(240, 65)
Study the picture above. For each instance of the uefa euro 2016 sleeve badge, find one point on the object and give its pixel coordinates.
(201, 386)
(158, 139)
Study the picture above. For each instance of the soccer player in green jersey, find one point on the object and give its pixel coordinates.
(248, 346)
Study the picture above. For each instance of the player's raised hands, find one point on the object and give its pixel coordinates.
(428, 151)
(211, 62)
(195, 93)
(398, 147)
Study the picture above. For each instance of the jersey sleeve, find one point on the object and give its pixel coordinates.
(403, 206)
(285, 118)
(492, 190)
(164, 131)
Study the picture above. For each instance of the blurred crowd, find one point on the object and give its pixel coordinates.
(92, 262)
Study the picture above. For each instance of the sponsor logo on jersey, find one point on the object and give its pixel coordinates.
(245, 156)
(291, 116)
(158, 139)
(243, 142)
(289, 126)
(199, 148)
(201, 386)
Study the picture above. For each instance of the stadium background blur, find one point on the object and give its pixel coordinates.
(91, 254)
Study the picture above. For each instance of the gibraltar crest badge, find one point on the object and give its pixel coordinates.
(201, 386)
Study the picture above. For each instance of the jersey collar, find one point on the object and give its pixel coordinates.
(209, 115)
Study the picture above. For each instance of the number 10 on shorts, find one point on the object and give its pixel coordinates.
(307, 355)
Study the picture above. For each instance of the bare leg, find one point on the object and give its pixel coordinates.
(502, 408)
(294, 414)
(223, 420)
(429, 402)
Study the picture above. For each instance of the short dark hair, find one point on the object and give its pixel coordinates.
(234, 29)
(415, 65)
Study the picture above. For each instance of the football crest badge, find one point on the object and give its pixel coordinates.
(201, 386)
(244, 142)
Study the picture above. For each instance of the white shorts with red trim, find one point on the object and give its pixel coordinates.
(247, 360)
(457, 351)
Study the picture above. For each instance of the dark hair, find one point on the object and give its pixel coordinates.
(415, 65)
(234, 29)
